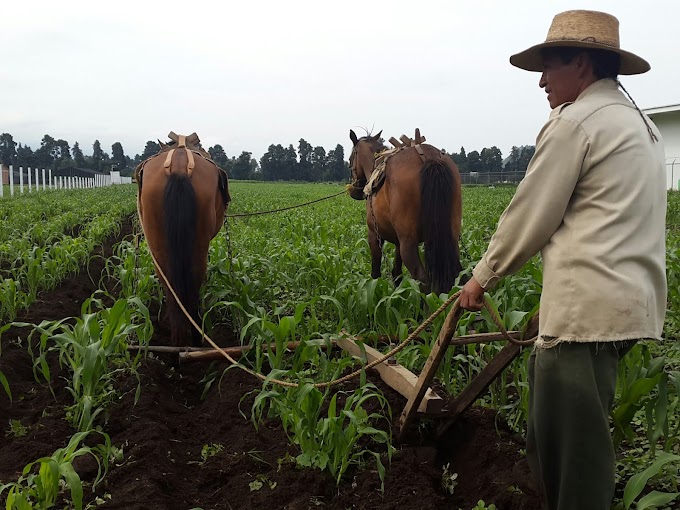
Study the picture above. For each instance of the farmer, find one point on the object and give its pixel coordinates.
(593, 202)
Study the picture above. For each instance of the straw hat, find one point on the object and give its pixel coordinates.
(582, 29)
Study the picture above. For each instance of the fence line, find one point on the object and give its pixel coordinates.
(50, 182)
(491, 177)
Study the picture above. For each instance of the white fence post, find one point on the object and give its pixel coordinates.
(44, 183)
(37, 185)
(21, 180)
(11, 180)
(51, 184)
(28, 171)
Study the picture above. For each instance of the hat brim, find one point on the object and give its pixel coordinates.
(532, 60)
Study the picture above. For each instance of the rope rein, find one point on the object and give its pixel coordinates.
(257, 213)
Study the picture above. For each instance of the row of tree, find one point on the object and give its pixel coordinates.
(279, 163)
(57, 153)
(490, 160)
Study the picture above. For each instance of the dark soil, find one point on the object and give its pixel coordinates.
(163, 435)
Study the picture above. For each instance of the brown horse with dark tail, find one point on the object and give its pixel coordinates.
(182, 199)
(419, 200)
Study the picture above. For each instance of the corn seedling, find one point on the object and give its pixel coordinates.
(41, 489)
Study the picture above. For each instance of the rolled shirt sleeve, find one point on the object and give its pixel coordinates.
(537, 209)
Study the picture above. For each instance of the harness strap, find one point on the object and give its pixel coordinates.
(190, 156)
(192, 163)
(168, 161)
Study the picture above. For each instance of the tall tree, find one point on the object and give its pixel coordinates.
(254, 169)
(97, 156)
(271, 163)
(289, 163)
(118, 156)
(460, 159)
(512, 163)
(336, 168)
(218, 155)
(525, 156)
(25, 156)
(151, 149)
(304, 166)
(8, 151)
(242, 168)
(318, 160)
(47, 154)
(491, 159)
(474, 162)
(78, 157)
(63, 154)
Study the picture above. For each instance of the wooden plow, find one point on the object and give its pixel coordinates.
(422, 401)
(476, 387)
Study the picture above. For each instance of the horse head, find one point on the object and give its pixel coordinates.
(362, 161)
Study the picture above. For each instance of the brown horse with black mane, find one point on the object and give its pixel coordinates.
(182, 198)
(419, 200)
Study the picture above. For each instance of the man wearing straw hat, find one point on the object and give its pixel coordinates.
(593, 202)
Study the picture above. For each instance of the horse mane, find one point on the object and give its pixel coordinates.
(377, 144)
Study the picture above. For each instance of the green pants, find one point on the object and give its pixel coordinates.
(569, 444)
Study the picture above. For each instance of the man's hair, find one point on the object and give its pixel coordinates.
(606, 64)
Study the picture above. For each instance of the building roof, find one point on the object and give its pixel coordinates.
(662, 109)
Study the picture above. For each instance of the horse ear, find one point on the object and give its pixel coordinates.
(353, 136)
(161, 144)
(377, 137)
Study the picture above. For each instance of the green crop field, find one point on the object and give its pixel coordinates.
(301, 275)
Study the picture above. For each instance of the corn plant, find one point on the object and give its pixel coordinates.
(5, 385)
(637, 483)
(41, 489)
(12, 299)
(88, 348)
(332, 442)
(641, 384)
(41, 252)
(132, 269)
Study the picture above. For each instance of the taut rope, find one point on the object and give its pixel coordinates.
(257, 213)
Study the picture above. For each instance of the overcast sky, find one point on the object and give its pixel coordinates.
(250, 73)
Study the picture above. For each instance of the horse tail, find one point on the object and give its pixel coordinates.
(180, 211)
(442, 260)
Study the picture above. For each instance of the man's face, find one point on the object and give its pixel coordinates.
(561, 81)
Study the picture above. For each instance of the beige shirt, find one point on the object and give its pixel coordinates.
(593, 202)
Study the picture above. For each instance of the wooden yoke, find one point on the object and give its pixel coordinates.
(405, 142)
